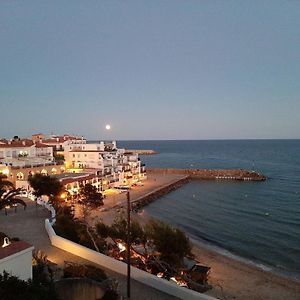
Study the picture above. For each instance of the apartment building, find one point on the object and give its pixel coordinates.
(105, 159)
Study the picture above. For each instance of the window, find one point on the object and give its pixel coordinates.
(44, 172)
(20, 176)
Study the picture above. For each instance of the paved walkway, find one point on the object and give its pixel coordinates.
(28, 225)
(114, 197)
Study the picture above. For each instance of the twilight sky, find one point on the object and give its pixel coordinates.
(152, 69)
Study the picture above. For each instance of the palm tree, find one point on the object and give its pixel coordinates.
(9, 195)
(4, 183)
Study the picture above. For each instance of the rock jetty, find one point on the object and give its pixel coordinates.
(141, 152)
(209, 174)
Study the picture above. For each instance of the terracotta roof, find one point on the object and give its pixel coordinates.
(13, 248)
(61, 139)
(37, 134)
(41, 145)
(18, 144)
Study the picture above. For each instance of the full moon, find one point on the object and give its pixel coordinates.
(107, 127)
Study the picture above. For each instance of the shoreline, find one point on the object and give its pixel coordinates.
(234, 277)
(211, 247)
(231, 278)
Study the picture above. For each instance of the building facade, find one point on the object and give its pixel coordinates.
(105, 159)
(106, 165)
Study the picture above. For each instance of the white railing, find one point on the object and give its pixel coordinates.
(116, 265)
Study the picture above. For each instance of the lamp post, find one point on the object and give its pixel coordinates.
(128, 245)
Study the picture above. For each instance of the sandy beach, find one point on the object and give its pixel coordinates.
(230, 278)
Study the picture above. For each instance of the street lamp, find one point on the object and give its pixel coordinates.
(128, 245)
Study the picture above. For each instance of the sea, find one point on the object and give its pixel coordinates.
(256, 222)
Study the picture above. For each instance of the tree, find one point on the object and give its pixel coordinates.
(45, 185)
(172, 243)
(13, 288)
(67, 226)
(77, 231)
(118, 230)
(10, 198)
(4, 184)
(9, 195)
(89, 195)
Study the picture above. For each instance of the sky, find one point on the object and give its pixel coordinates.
(151, 69)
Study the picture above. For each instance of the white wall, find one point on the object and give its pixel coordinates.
(121, 268)
(18, 264)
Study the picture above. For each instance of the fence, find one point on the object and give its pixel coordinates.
(116, 265)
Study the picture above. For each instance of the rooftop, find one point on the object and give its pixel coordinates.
(61, 139)
(22, 143)
(66, 178)
(13, 248)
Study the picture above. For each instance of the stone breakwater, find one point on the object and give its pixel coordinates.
(141, 152)
(154, 195)
(187, 176)
(210, 174)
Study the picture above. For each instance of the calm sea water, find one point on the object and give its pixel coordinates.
(257, 221)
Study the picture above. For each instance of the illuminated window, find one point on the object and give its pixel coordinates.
(44, 172)
(20, 176)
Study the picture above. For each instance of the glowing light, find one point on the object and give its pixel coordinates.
(6, 242)
(5, 171)
(63, 196)
(160, 274)
(107, 127)
(121, 247)
(179, 282)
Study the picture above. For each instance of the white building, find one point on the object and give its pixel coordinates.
(59, 142)
(16, 259)
(105, 159)
(24, 152)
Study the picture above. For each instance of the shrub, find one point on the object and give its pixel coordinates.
(72, 270)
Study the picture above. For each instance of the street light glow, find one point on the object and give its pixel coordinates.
(107, 127)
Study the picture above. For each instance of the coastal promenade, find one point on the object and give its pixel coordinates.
(155, 186)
